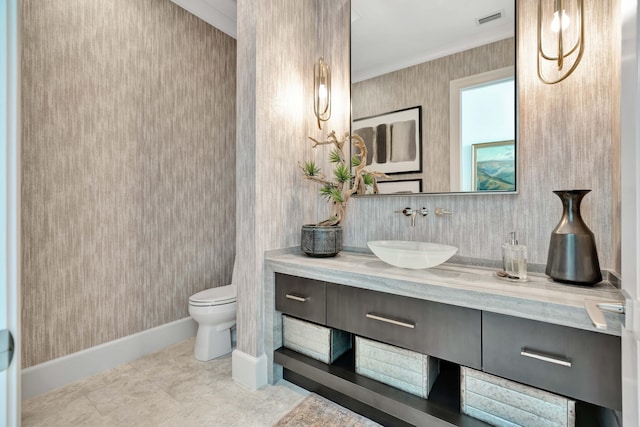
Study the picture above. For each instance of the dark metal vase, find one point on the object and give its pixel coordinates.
(572, 251)
(321, 241)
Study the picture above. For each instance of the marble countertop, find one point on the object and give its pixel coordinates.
(538, 298)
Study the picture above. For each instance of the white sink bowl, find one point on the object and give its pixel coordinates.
(411, 254)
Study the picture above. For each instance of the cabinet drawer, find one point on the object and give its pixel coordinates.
(300, 297)
(444, 331)
(580, 364)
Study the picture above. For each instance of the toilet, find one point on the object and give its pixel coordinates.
(214, 310)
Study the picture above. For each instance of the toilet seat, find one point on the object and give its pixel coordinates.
(214, 296)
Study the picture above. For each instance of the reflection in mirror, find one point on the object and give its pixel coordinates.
(482, 143)
(427, 69)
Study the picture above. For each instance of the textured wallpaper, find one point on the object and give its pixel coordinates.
(129, 159)
(128, 169)
(278, 42)
(568, 139)
(427, 85)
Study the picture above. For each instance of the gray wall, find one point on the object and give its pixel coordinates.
(427, 85)
(128, 169)
(568, 137)
(277, 46)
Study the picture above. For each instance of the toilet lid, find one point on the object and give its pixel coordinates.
(214, 296)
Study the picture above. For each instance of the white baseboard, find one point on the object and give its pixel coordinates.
(249, 371)
(65, 370)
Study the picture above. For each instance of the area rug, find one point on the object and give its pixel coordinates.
(316, 411)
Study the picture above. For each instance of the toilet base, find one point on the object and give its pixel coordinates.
(211, 343)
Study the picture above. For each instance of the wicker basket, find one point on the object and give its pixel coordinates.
(318, 342)
(501, 402)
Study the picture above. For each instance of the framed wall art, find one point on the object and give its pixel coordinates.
(493, 166)
(403, 186)
(393, 140)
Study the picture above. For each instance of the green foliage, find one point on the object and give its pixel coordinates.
(342, 173)
(311, 169)
(325, 190)
(334, 156)
(332, 193)
(337, 196)
(347, 178)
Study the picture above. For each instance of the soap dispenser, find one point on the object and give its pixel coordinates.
(514, 258)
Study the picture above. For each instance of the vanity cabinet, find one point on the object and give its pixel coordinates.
(440, 330)
(577, 364)
(571, 362)
(302, 298)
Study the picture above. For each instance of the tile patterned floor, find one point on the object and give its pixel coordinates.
(168, 388)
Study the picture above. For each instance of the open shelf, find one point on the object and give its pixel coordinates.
(373, 399)
(483, 341)
(392, 407)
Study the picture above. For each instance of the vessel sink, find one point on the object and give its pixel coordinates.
(407, 254)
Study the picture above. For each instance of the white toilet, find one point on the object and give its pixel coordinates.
(215, 311)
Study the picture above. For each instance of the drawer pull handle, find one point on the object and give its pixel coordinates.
(296, 297)
(392, 321)
(545, 358)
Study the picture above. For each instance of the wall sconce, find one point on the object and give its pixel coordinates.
(322, 91)
(560, 38)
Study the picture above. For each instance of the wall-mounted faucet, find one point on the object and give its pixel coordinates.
(442, 212)
(413, 213)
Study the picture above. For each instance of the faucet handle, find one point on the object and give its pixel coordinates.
(442, 212)
(407, 211)
(423, 211)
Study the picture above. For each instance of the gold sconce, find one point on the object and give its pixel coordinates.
(321, 73)
(322, 91)
(560, 38)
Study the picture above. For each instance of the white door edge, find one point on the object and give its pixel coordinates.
(10, 205)
(630, 211)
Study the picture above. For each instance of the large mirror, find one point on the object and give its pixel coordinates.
(433, 93)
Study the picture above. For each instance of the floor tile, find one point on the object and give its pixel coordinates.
(78, 412)
(168, 388)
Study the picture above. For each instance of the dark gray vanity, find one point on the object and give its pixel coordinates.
(535, 334)
(440, 330)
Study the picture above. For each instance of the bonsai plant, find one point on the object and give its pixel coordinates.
(325, 238)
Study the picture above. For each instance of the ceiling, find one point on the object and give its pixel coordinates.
(218, 13)
(389, 35)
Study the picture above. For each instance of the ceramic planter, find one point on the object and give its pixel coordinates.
(321, 241)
